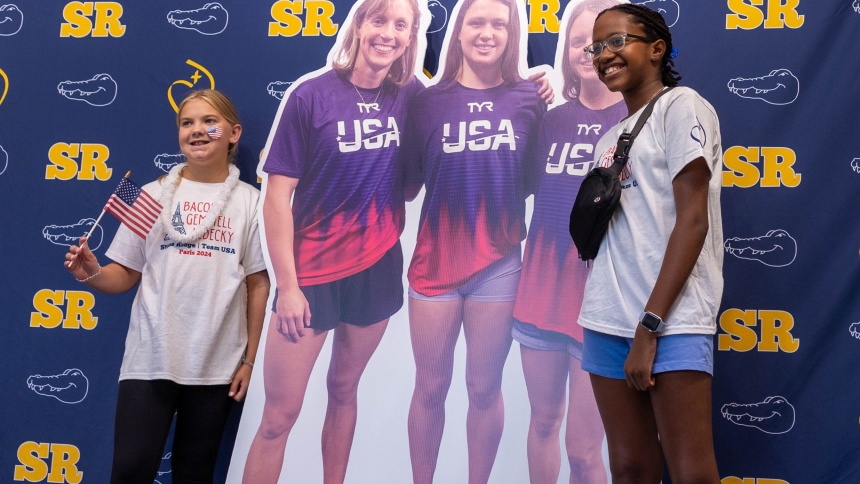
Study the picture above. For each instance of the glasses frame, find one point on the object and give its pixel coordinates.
(592, 52)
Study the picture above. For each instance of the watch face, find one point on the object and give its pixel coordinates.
(650, 322)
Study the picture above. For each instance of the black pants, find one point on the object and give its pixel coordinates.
(144, 412)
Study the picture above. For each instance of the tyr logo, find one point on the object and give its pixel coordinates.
(366, 107)
(588, 128)
(480, 106)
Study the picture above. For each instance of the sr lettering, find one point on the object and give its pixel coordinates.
(64, 165)
(777, 167)
(49, 310)
(776, 329)
(288, 23)
(56, 462)
(778, 14)
(751, 480)
(543, 16)
(98, 19)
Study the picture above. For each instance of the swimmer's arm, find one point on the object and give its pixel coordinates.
(690, 188)
(258, 291)
(111, 279)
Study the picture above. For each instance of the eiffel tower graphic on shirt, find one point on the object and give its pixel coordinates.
(177, 221)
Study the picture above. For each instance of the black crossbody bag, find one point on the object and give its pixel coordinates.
(600, 193)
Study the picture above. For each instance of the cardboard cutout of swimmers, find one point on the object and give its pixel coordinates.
(339, 167)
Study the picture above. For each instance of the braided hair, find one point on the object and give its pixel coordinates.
(655, 28)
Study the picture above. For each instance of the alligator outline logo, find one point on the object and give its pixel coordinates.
(777, 248)
(70, 386)
(855, 163)
(165, 464)
(779, 87)
(440, 16)
(210, 19)
(854, 329)
(67, 235)
(4, 160)
(278, 89)
(669, 9)
(166, 161)
(856, 6)
(774, 415)
(11, 19)
(98, 91)
(5, 85)
(194, 77)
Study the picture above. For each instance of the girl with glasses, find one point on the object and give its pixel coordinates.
(652, 297)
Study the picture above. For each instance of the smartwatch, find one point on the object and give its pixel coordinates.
(651, 322)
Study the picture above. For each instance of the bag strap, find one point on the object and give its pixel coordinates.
(625, 141)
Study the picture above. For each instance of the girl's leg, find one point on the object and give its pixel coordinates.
(434, 328)
(631, 432)
(201, 415)
(487, 327)
(682, 406)
(286, 371)
(546, 375)
(144, 411)
(584, 433)
(351, 350)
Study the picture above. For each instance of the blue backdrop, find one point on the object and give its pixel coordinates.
(87, 92)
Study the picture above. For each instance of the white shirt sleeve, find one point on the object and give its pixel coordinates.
(689, 124)
(128, 249)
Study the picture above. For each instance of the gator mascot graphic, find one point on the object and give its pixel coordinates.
(70, 386)
(772, 416)
(440, 16)
(166, 161)
(210, 19)
(98, 91)
(855, 163)
(856, 6)
(11, 19)
(278, 89)
(669, 9)
(854, 329)
(779, 87)
(4, 160)
(775, 249)
(164, 469)
(67, 235)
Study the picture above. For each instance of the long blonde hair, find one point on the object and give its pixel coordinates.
(221, 104)
(403, 69)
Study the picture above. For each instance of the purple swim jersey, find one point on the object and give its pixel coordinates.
(553, 278)
(342, 143)
(467, 146)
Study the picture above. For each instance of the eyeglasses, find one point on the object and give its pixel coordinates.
(614, 44)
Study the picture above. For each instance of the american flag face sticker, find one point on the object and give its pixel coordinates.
(214, 132)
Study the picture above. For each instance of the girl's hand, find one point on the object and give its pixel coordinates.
(545, 91)
(80, 261)
(637, 368)
(239, 385)
(293, 313)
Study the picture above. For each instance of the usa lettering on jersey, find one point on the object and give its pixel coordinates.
(478, 138)
(366, 134)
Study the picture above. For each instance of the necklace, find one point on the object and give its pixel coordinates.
(166, 200)
(374, 99)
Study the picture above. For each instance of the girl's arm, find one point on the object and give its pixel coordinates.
(292, 312)
(690, 188)
(111, 279)
(258, 292)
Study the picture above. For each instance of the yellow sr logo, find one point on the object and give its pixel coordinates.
(543, 16)
(49, 310)
(780, 14)
(105, 21)
(34, 465)
(93, 162)
(776, 329)
(777, 167)
(751, 480)
(287, 22)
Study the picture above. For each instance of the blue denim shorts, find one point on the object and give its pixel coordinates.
(497, 282)
(605, 354)
(541, 339)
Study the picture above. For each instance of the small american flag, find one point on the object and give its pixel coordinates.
(215, 132)
(133, 207)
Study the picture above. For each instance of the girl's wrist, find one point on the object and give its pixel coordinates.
(98, 271)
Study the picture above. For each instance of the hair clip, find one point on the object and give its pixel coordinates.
(214, 132)
(673, 53)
